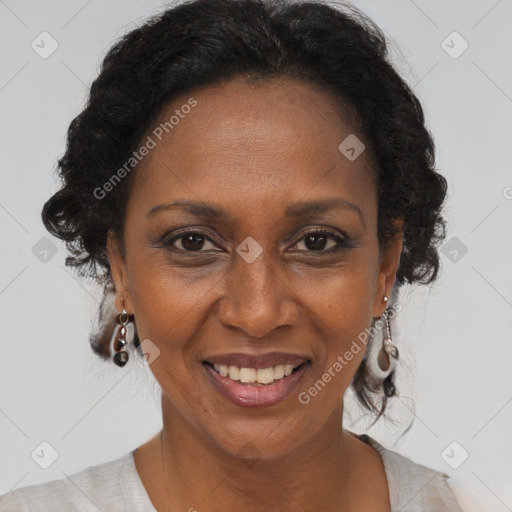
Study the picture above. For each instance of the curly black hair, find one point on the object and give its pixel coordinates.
(204, 42)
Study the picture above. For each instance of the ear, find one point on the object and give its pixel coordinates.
(389, 262)
(119, 274)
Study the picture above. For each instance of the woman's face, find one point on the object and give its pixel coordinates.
(252, 169)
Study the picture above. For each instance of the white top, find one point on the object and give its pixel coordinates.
(115, 486)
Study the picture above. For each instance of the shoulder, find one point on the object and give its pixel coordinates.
(414, 487)
(104, 487)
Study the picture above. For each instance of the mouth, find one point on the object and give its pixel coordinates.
(255, 381)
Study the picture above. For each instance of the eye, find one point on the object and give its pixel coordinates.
(317, 240)
(189, 241)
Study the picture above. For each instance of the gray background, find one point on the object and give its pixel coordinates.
(454, 338)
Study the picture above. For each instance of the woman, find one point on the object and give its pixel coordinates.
(251, 182)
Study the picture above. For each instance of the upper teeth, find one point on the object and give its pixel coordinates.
(259, 375)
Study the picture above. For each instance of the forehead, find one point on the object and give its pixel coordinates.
(268, 143)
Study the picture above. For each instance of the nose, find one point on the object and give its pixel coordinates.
(258, 299)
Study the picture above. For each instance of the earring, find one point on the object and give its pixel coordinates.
(381, 356)
(119, 340)
(388, 353)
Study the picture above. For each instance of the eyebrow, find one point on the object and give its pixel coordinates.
(297, 210)
(305, 208)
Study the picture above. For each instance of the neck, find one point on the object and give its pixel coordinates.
(199, 474)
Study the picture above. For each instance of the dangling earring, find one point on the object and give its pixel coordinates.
(119, 339)
(380, 358)
(388, 353)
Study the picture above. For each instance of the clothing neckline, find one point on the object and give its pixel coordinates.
(133, 481)
(388, 470)
(133, 485)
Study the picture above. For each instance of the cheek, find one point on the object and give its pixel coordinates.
(338, 358)
(166, 300)
(169, 312)
(342, 313)
(167, 315)
(343, 301)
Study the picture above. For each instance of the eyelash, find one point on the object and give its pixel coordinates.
(341, 242)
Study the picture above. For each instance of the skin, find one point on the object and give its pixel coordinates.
(254, 149)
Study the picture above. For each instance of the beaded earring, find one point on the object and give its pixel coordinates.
(121, 337)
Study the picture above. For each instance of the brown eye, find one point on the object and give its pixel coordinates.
(191, 241)
(322, 241)
(316, 242)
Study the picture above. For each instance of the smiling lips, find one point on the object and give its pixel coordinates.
(258, 375)
(256, 380)
(257, 361)
(260, 369)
